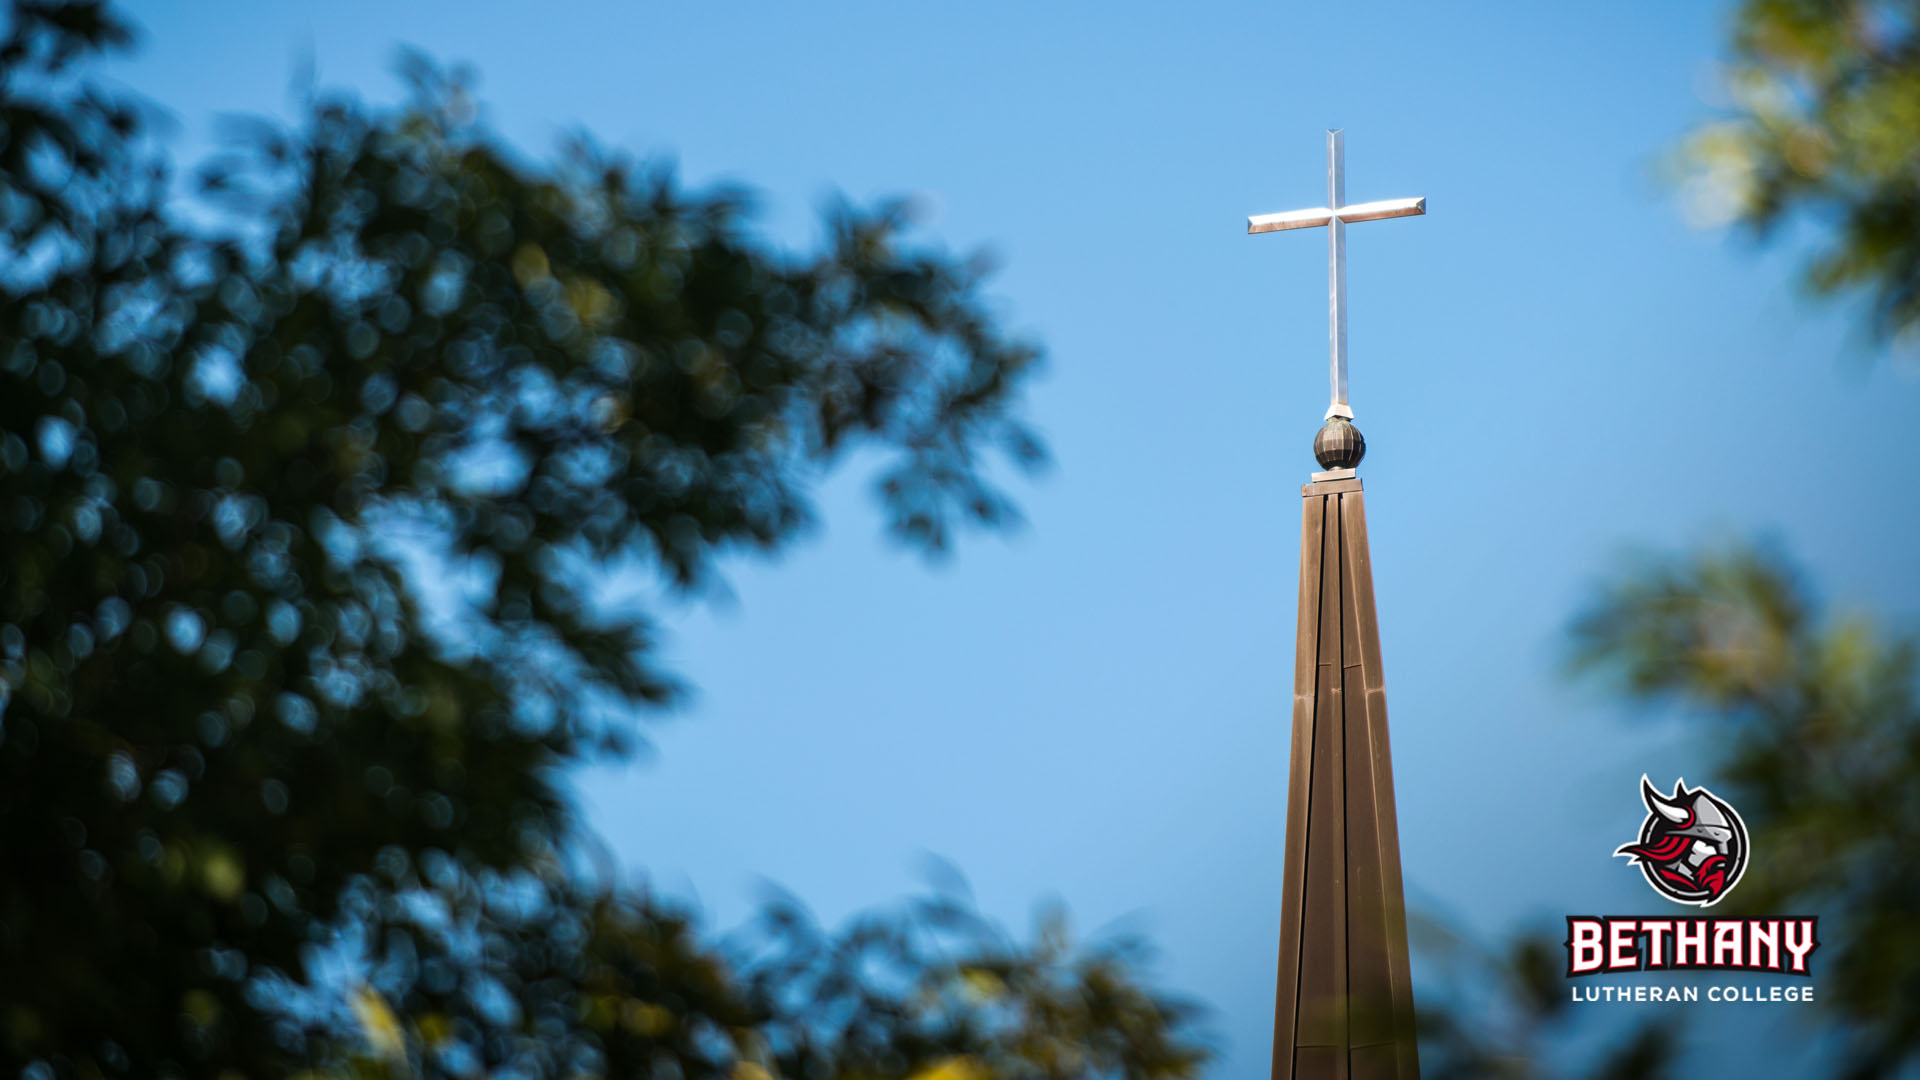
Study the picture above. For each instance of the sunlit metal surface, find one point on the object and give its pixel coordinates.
(1335, 216)
(1320, 215)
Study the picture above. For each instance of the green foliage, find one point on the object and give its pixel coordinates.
(1821, 731)
(1502, 1013)
(954, 993)
(1826, 122)
(323, 545)
(595, 983)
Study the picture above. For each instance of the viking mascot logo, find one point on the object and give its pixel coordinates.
(1692, 848)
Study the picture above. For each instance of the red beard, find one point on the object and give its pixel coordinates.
(1713, 874)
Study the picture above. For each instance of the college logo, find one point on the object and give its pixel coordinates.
(1692, 850)
(1692, 847)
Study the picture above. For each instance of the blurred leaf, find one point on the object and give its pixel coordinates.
(334, 537)
(1823, 123)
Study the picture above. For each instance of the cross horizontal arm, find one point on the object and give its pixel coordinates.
(1292, 219)
(1385, 208)
(1320, 215)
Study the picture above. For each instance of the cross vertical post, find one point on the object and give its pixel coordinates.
(1337, 273)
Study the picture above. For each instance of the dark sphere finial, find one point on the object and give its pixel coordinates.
(1339, 445)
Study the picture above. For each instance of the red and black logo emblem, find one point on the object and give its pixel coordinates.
(1693, 846)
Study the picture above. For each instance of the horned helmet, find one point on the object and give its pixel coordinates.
(1692, 846)
(1701, 817)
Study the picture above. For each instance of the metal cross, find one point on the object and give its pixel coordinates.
(1335, 215)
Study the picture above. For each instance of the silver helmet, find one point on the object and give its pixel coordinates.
(1698, 817)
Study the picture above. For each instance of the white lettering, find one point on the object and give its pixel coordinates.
(1764, 932)
(1694, 943)
(1621, 955)
(1656, 929)
(1726, 944)
(1799, 945)
(1583, 946)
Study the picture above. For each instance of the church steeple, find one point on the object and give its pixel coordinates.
(1344, 1002)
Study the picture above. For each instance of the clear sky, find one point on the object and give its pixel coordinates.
(1550, 368)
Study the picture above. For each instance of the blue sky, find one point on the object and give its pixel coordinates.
(1550, 368)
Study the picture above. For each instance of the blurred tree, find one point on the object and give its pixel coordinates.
(1825, 121)
(322, 537)
(1821, 732)
(1502, 1013)
(1817, 718)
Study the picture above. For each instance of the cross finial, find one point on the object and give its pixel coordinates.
(1335, 216)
